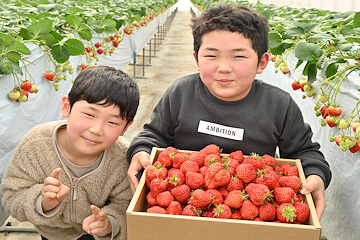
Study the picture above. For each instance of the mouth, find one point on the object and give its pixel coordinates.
(90, 142)
(224, 82)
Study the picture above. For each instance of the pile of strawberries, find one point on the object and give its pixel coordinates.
(210, 184)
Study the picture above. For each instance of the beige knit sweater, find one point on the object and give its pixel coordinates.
(36, 157)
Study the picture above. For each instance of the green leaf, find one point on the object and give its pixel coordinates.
(43, 26)
(5, 41)
(26, 34)
(344, 46)
(57, 36)
(46, 7)
(74, 47)
(357, 20)
(59, 54)
(73, 21)
(49, 38)
(295, 31)
(85, 34)
(353, 39)
(13, 56)
(19, 47)
(323, 36)
(306, 51)
(312, 72)
(275, 40)
(331, 69)
(289, 41)
(43, 15)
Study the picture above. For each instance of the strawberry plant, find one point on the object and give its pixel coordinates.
(65, 29)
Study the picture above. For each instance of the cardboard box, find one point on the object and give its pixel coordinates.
(147, 226)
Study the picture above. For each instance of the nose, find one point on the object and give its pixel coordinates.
(224, 67)
(96, 128)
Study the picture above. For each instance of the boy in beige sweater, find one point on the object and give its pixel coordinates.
(69, 178)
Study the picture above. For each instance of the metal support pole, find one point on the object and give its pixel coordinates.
(134, 55)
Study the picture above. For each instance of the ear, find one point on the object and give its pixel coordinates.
(263, 63)
(126, 127)
(197, 63)
(65, 107)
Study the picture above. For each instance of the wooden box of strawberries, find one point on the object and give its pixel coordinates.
(210, 195)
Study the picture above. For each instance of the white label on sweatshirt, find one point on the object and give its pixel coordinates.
(220, 130)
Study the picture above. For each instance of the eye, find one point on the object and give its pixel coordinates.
(88, 114)
(113, 123)
(239, 56)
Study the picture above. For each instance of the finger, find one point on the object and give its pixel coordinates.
(55, 174)
(134, 182)
(95, 210)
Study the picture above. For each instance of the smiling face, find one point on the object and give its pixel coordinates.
(228, 64)
(91, 129)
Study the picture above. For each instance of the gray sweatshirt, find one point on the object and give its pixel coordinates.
(189, 117)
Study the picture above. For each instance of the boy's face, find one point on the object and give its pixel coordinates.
(91, 128)
(228, 64)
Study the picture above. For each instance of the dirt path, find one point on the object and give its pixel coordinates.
(173, 59)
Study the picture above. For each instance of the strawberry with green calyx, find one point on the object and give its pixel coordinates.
(14, 95)
(175, 177)
(273, 58)
(302, 211)
(293, 182)
(267, 178)
(343, 124)
(355, 125)
(97, 45)
(258, 193)
(166, 158)
(317, 106)
(295, 85)
(157, 186)
(235, 184)
(179, 159)
(216, 196)
(198, 157)
(216, 176)
(157, 170)
(286, 213)
(246, 172)
(330, 121)
(323, 123)
(256, 160)
(270, 160)
(237, 155)
(235, 199)
(200, 199)
(334, 111)
(33, 89)
(190, 210)
(323, 98)
(302, 83)
(284, 68)
(26, 85)
(181, 193)
(324, 111)
(356, 147)
(24, 95)
(211, 158)
(291, 171)
(49, 76)
(236, 215)
(222, 211)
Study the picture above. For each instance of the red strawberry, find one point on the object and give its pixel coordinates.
(97, 45)
(280, 169)
(174, 208)
(181, 193)
(324, 111)
(295, 85)
(291, 171)
(166, 158)
(329, 121)
(157, 186)
(284, 194)
(211, 149)
(293, 182)
(235, 184)
(151, 200)
(215, 195)
(356, 147)
(100, 51)
(49, 76)
(248, 210)
(179, 159)
(246, 172)
(224, 192)
(273, 57)
(190, 210)
(164, 198)
(203, 170)
(236, 215)
(232, 164)
(152, 172)
(156, 209)
(26, 85)
(210, 159)
(286, 213)
(194, 180)
(302, 211)
(216, 176)
(234, 199)
(209, 213)
(334, 111)
(200, 199)
(189, 166)
(354, 125)
(237, 155)
(267, 212)
(258, 193)
(175, 177)
(270, 160)
(222, 211)
(299, 197)
(257, 161)
(197, 157)
(268, 178)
